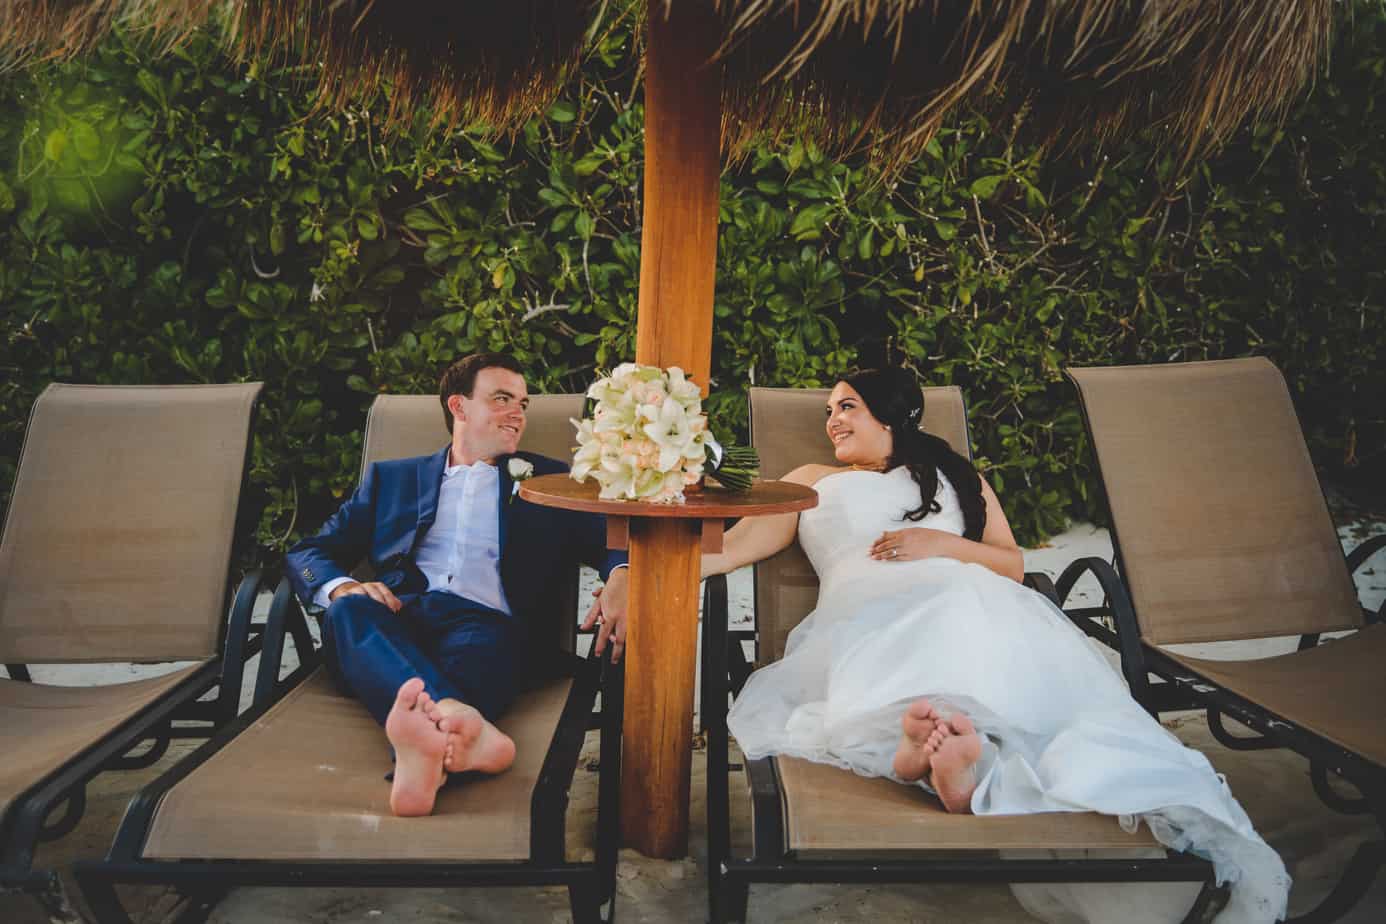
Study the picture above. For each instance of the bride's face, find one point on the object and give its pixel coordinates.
(857, 437)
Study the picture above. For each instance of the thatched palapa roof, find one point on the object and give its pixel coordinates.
(845, 73)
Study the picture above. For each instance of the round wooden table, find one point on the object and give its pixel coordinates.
(665, 542)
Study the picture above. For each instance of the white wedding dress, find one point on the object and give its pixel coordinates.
(1061, 733)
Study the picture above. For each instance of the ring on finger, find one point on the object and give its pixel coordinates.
(894, 552)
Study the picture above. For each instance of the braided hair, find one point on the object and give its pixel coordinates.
(893, 397)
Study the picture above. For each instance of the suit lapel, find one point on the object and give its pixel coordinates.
(504, 484)
(430, 476)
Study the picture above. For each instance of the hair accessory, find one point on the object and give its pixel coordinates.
(913, 415)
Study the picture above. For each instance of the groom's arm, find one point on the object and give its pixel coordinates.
(322, 560)
(590, 537)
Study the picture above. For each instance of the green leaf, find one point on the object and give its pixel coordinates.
(864, 245)
(85, 140)
(985, 187)
(584, 224)
(562, 111)
(54, 146)
(796, 155)
(551, 196)
(421, 220)
(810, 221)
(589, 164)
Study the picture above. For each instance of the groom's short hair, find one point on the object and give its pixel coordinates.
(460, 377)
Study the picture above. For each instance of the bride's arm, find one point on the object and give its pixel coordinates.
(997, 549)
(757, 538)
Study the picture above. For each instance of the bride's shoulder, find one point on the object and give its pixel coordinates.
(813, 472)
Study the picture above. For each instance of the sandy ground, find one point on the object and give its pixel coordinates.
(1272, 785)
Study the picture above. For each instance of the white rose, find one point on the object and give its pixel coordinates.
(519, 469)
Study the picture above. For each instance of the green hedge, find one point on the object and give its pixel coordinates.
(185, 219)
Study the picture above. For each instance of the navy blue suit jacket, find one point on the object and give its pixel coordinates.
(396, 503)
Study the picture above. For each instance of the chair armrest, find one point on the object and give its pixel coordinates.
(1359, 557)
(1039, 581)
(713, 711)
(241, 643)
(1127, 638)
(285, 619)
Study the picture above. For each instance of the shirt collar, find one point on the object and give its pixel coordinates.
(479, 467)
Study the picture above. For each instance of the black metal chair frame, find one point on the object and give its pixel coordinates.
(204, 882)
(724, 670)
(1178, 687)
(179, 713)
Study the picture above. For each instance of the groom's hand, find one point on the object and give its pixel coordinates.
(373, 589)
(609, 613)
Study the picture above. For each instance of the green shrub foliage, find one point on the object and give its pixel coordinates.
(183, 218)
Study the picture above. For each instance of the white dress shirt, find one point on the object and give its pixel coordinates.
(460, 553)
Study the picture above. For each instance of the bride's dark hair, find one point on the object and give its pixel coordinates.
(893, 397)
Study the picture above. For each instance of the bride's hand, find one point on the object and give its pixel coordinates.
(912, 544)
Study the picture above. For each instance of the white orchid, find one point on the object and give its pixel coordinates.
(645, 438)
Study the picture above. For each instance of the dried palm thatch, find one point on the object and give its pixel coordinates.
(498, 62)
(849, 72)
(845, 73)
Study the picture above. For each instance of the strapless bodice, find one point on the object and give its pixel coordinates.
(855, 507)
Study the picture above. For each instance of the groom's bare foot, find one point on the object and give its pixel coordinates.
(954, 764)
(472, 742)
(419, 747)
(918, 726)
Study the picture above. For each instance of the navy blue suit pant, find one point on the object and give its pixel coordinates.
(460, 649)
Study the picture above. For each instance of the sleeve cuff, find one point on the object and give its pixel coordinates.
(323, 598)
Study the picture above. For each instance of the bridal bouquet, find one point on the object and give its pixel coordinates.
(647, 438)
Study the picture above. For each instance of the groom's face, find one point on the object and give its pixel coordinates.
(492, 419)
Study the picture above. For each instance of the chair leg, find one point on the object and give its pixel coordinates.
(1201, 902)
(198, 907)
(1318, 775)
(101, 898)
(731, 901)
(1357, 878)
(585, 900)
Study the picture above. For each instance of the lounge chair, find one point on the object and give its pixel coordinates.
(292, 793)
(817, 823)
(1221, 533)
(118, 546)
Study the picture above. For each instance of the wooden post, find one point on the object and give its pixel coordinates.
(678, 265)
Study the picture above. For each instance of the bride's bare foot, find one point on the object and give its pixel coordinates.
(419, 747)
(954, 764)
(918, 726)
(472, 742)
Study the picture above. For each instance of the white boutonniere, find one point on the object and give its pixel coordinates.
(520, 470)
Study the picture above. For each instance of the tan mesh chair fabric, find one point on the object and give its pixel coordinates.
(787, 430)
(305, 783)
(1336, 689)
(42, 727)
(832, 811)
(118, 541)
(401, 426)
(1221, 524)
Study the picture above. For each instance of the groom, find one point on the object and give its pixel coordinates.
(436, 646)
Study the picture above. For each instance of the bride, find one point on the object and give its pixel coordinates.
(926, 661)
